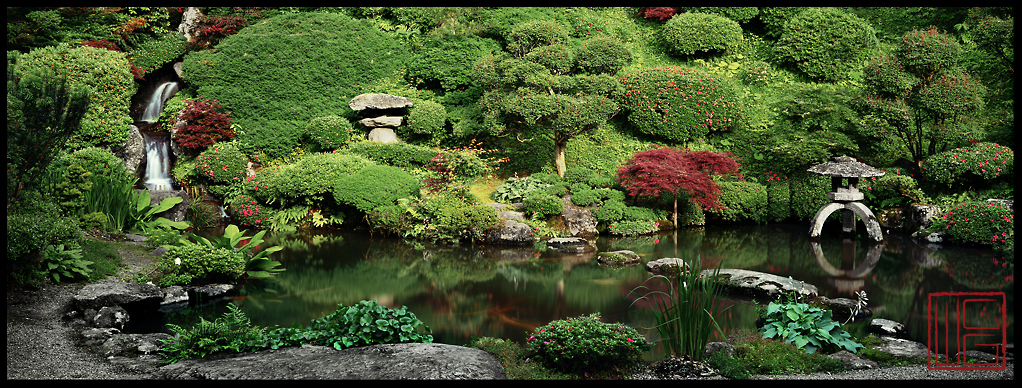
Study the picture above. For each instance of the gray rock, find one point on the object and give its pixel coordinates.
(1008, 204)
(918, 217)
(111, 316)
(887, 328)
(176, 213)
(212, 291)
(174, 294)
(159, 251)
(509, 215)
(902, 348)
(377, 362)
(383, 135)
(134, 344)
(510, 232)
(378, 101)
(131, 151)
(759, 284)
(578, 220)
(497, 206)
(843, 307)
(852, 361)
(382, 121)
(189, 19)
(131, 296)
(714, 347)
(560, 242)
(618, 258)
(666, 266)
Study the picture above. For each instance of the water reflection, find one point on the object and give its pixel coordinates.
(467, 291)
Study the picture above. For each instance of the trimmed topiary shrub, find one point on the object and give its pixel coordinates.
(375, 186)
(975, 165)
(100, 161)
(808, 194)
(778, 199)
(826, 43)
(540, 204)
(222, 164)
(585, 344)
(738, 14)
(425, 118)
(326, 133)
(194, 264)
(394, 154)
(693, 32)
(679, 104)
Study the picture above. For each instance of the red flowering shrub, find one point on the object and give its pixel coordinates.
(205, 124)
(980, 222)
(679, 104)
(249, 212)
(222, 165)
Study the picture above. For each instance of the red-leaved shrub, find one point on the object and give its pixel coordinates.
(205, 124)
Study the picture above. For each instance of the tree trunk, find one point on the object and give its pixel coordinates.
(559, 158)
(675, 216)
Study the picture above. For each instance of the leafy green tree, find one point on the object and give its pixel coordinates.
(539, 85)
(918, 94)
(43, 111)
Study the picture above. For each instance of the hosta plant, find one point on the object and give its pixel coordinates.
(809, 328)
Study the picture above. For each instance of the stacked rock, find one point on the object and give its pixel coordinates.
(382, 112)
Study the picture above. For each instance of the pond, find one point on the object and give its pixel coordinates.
(464, 292)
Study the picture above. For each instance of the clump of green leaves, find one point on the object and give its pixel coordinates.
(586, 344)
(809, 328)
(515, 189)
(232, 333)
(362, 324)
(690, 32)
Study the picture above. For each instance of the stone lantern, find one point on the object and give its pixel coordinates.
(846, 197)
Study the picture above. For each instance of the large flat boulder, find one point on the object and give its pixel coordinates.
(760, 284)
(131, 296)
(379, 101)
(411, 361)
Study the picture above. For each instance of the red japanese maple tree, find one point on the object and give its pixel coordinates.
(652, 172)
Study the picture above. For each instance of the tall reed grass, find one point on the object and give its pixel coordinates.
(683, 313)
(113, 197)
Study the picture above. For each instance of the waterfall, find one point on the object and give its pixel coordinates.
(155, 105)
(157, 171)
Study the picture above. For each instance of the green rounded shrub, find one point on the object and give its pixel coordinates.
(826, 43)
(100, 161)
(527, 36)
(365, 323)
(692, 32)
(194, 264)
(375, 186)
(808, 194)
(394, 154)
(612, 210)
(307, 181)
(585, 344)
(108, 76)
(778, 199)
(426, 118)
(540, 204)
(327, 133)
(154, 53)
(970, 166)
(586, 197)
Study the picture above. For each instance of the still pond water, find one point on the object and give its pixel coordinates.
(464, 292)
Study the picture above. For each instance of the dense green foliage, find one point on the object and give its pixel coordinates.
(325, 56)
(809, 328)
(107, 75)
(375, 186)
(826, 43)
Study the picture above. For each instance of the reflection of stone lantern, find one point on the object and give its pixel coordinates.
(846, 197)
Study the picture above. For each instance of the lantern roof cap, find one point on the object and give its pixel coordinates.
(845, 167)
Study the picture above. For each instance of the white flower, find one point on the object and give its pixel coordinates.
(177, 261)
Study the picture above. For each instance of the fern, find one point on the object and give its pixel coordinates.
(233, 332)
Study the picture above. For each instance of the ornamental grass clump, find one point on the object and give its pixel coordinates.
(684, 312)
(585, 344)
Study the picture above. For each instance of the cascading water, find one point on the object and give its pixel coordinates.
(157, 172)
(155, 105)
